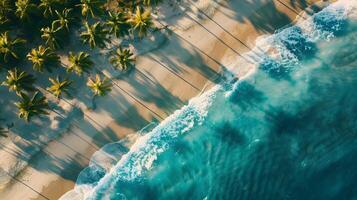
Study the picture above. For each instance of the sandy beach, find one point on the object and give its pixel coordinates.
(194, 50)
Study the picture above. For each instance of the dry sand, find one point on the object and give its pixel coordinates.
(186, 62)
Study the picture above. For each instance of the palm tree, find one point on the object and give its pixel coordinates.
(151, 2)
(79, 63)
(122, 59)
(59, 86)
(5, 8)
(50, 37)
(24, 8)
(48, 7)
(141, 22)
(91, 7)
(43, 58)
(19, 81)
(9, 47)
(98, 86)
(30, 107)
(117, 24)
(95, 35)
(3, 20)
(63, 20)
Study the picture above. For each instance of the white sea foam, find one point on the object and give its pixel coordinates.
(277, 47)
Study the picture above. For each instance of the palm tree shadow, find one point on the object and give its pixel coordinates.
(261, 18)
(120, 107)
(191, 56)
(157, 94)
(299, 4)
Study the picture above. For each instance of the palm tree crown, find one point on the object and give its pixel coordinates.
(3, 20)
(50, 37)
(30, 107)
(63, 20)
(59, 86)
(9, 47)
(98, 86)
(151, 2)
(141, 21)
(24, 8)
(43, 58)
(48, 7)
(5, 9)
(117, 24)
(91, 7)
(95, 35)
(122, 59)
(79, 63)
(19, 81)
(5, 6)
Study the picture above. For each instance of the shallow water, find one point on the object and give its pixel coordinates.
(288, 131)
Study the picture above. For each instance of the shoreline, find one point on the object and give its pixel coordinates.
(57, 185)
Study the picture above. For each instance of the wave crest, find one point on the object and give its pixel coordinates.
(276, 55)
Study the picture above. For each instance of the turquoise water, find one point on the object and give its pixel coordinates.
(287, 131)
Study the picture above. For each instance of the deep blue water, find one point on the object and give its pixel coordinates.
(287, 131)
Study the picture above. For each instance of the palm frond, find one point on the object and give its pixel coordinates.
(91, 8)
(59, 86)
(117, 24)
(9, 47)
(63, 20)
(79, 63)
(99, 86)
(49, 34)
(19, 81)
(141, 21)
(24, 8)
(122, 59)
(32, 106)
(95, 35)
(43, 57)
(48, 7)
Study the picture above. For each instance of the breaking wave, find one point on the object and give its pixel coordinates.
(277, 56)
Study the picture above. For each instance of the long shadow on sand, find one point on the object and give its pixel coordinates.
(266, 18)
(128, 116)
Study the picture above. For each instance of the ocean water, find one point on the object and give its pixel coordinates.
(288, 130)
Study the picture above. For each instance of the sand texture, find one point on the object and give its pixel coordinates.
(198, 40)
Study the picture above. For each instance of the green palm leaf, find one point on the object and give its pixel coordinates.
(8, 47)
(95, 35)
(24, 8)
(117, 24)
(19, 81)
(32, 106)
(6, 7)
(151, 2)
(43, 58)
(59, 86)
(100, 87)
(141, 22)
(48, 7)
(122, 59)
(79, 63)
(63, 20)
(51, 38)
(91, 8)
